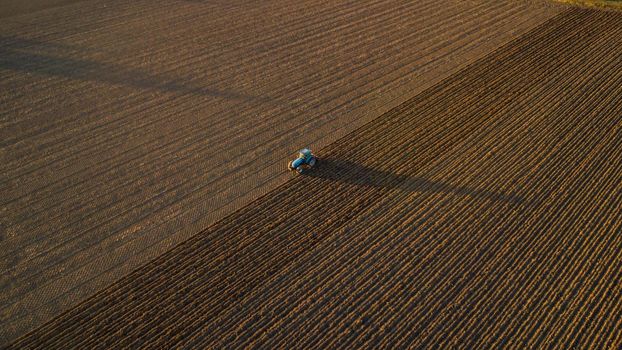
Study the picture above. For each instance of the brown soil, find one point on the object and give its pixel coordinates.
(11, 8)
(129, 126)
(484, 212)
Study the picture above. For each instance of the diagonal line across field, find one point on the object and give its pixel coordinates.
(485, 211)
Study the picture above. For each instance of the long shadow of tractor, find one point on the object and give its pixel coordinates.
(350, 172)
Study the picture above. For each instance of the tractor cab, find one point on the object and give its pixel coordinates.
(305, 154)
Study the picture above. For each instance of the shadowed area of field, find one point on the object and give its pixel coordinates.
(351, 172)
(30, 57)
(10, 8)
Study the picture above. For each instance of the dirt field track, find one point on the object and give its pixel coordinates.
(128, 126)
(484, 212)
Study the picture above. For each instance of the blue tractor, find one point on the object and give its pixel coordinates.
(306, 160)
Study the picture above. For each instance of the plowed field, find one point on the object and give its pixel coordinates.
(128, 126)
(484, 212)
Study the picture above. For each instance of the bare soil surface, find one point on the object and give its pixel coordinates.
(484, 212)
(127, 127)
(10, 8)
